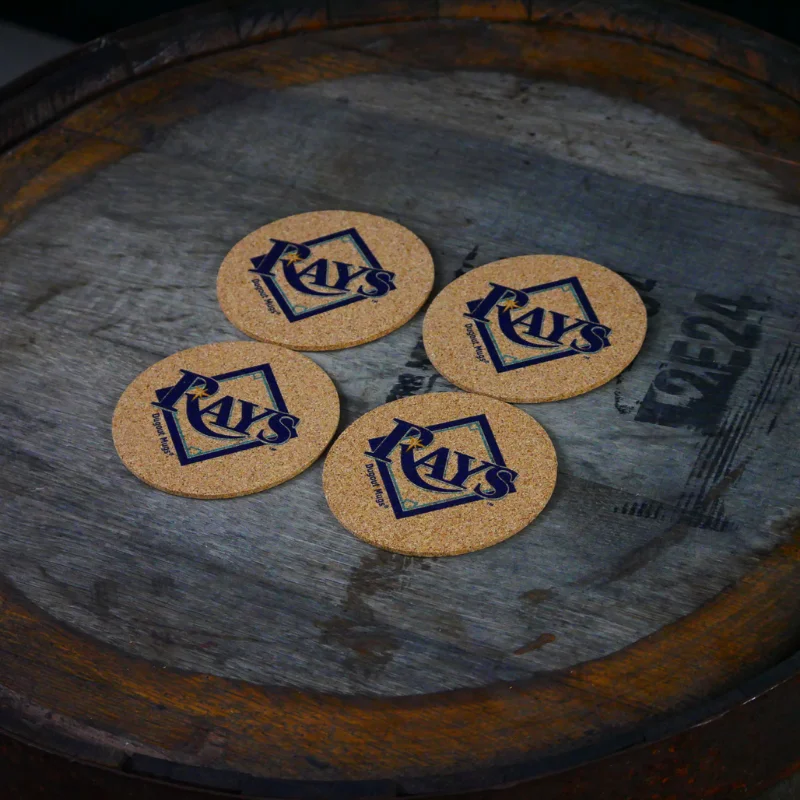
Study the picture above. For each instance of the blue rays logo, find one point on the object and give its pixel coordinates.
(320, 275)
(523, 327)
(252, 414)
(422, 471)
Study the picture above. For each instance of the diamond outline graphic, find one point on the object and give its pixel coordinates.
(505, 363)
(173, 426)
(290, 311)
(397, 502)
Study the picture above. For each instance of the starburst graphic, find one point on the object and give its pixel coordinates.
(198, 392)
(510, 304)
(413, 442)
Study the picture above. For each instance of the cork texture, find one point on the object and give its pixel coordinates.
(535, 328)
(325, 280)
(440, 474)
(225, 419)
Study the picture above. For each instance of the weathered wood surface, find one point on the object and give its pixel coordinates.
(676, 483)
(714, 758)
(47, 93)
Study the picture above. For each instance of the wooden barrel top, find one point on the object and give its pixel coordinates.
(224, 643)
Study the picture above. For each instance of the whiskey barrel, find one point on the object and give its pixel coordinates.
(252, 645)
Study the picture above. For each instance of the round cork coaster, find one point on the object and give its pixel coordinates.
(325, 280)
(440, 474)
(226, 419)
(535, 328)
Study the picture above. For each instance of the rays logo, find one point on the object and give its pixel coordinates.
(203, 423)
(426, 468)
(522, 327)
(309, 278)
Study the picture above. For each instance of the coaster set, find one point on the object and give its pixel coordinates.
(432, 475)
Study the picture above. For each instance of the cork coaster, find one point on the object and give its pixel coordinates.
(226, 419)
(325, 280)
(440, 474)
(535, 328)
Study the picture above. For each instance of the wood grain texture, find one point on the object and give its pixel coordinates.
(183, 713)
(43, 95)
(139, 618)
(702, 760)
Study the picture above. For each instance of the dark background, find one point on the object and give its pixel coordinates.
(81, 20)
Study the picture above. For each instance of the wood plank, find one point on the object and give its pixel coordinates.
(48, 165)
(256, 20)
(304, 737)
(610, 135)
(506, 10)
(41, 95)
(359, 12)
(139, 112)
(717, 102)
(606, 131)
(178, 35)
(458, 196)
(712, 37)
